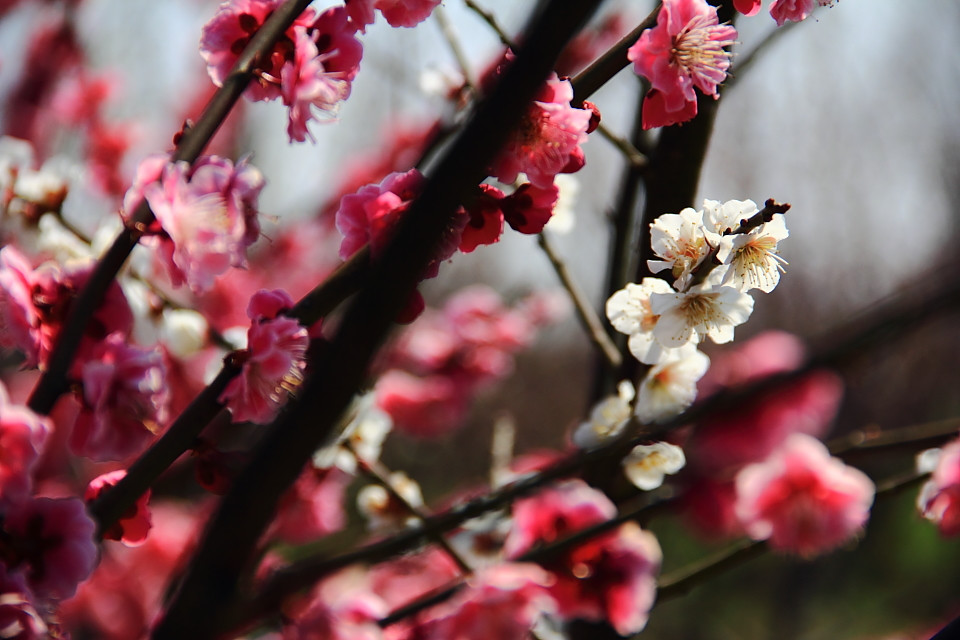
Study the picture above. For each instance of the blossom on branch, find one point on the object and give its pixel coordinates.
(685, 50)
(939, 500)
(705, 310)
(273, 362)
(206, 215)
(547, 140)
(801, 500)
(794, 10)
(398, 13)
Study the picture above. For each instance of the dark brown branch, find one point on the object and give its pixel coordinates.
(212, 584)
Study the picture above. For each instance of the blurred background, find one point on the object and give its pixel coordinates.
(849, 116)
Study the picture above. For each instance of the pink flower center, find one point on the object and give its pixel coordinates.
(699, 49)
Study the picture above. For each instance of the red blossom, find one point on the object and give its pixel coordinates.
(22, 437)
(132, 528)
(939, 500)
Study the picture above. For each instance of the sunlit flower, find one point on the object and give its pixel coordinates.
(607, 418)
(705, 310)
(646, 464)
(671, 386)
(752, 257)
(681, 241)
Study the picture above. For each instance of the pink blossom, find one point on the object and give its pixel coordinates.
(229, 32)
(656, 113)
(22, 436)
(326, 60)
(421, 406)
(398, 13)
(132, 528)
(19, 318)
(124, 595)
(34, 303)
(125, 401)
(439, 364)
(342, 607)
(55, 539)
(272, 363)
(208, 215)
(801, 500)
(312, 507)
(794, 10)
(503, 602)
(685, 50)
(611, 577)
(547, 141)
(408, 577)
(939, 500)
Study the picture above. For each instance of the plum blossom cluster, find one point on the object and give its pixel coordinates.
(310, 69)
(435, 369)
(689, 48)
(715, 256)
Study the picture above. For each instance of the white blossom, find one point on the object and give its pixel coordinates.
(671, 386)
(646, 465)
(183, 331)
(607, 418)
(708, 309)
(752, 257)
(681, 240)
(365, 433)
(382, 511)
(629, 313)
(720, 217)
(563, 217)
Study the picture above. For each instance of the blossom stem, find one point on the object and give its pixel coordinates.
(588, 317)
(54, 382)
(632, 155)
(454, 43)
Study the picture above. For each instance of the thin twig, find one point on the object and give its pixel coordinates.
(633, 156)
(491, 20)
(377, 472)
(450, 35)
(588, 317)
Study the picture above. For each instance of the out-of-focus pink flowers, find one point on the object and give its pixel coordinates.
(794, 10)
(685, 50)
(502, 601)
(123, 596)
(342, 607)
(439, 364)
(22, 436)
(311, 67)
(312, 507)
(273, 362)
(34, 303)
(801, 500)
(54, 537)
(133, 527)
(398, 13)
(939, 500)
(207, 215)
(125, 400)
(747, 7)
(612, 577)
(547, 141)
